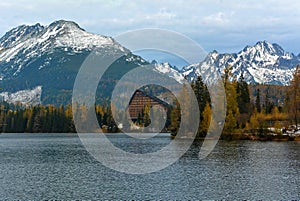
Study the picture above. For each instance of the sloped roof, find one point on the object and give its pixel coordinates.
(150, 96)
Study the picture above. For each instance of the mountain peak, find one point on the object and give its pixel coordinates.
(60, 33)
(268, 47)
(35, 27)
(65, 24)
(20, 33)
(263, 43)
(263, 62)
(214, 54)
(25, 44)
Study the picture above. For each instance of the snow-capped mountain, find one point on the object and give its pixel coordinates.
(263, 63)
(39, 64)
(50, 56)
(167, 69)
(20, 46)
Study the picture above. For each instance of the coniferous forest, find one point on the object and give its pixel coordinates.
(258, 109)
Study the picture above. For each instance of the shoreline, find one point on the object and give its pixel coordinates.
(224, 136)
(259, 137)
(252, 137)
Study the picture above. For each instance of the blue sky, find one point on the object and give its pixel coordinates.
(223, 25)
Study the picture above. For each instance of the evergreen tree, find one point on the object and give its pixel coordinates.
(257, 101)
(201, 93)
(243, 96)
(268, 104)
(203, 97)
(36, 120)
(175, 119)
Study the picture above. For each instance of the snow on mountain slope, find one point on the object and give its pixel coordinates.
(263, 63)
(167, 69)
(22, 44)
(25, 97)
(50, 57)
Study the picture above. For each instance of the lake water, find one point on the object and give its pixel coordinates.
(57, 166)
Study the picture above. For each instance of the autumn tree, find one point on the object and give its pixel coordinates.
(185, 105)
(276, 117)
(146, 115)
(231, 123)
(231, 98)
(206, 120)
(293, 99)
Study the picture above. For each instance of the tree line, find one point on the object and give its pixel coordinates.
(47, 119)
(244, 113)
(256, 109)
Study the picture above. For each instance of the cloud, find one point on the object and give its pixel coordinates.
(203, 20)
(216, 19)
(163, 14)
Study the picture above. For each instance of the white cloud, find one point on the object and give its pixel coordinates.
(216, 19)
(205, 20)
(163, 14)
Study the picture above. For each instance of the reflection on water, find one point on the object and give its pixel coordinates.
(57, 166)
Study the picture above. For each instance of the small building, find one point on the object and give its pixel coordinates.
(138, 102)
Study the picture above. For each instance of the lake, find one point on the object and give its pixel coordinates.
(57, 166)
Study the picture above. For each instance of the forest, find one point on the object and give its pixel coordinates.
(255, 109)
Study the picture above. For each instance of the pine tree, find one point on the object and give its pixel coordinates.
(203, 97)
(268, 104)
(243, 97)
(175, 119)
(201, 93)
(36, 124)
(257, 101)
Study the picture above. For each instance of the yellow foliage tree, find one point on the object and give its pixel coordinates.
(205, 123)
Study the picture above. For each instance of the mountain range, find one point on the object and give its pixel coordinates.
(38, 64)
(263, 63)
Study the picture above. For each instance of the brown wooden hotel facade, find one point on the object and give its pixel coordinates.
(138, 102)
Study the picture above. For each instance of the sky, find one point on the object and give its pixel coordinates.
(223, 25)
